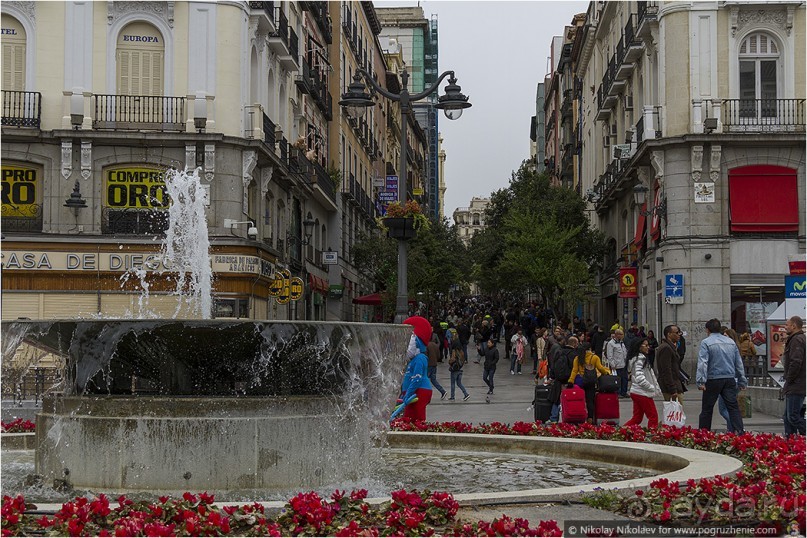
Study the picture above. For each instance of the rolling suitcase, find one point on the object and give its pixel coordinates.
(542, 406)
(573, 405)
(606, 408)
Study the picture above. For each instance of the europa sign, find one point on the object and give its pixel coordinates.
(135, 188)
(21, 190)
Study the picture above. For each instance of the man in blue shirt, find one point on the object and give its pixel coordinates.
(720, 372)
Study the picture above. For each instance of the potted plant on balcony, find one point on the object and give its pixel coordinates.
(403, 221)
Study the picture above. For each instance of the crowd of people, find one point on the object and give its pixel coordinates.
(563, 353)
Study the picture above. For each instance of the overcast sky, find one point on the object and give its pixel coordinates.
(499, 52)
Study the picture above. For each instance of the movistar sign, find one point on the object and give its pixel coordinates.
(795, 287)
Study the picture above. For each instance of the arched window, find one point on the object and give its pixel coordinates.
(13, 54)
(140, 59)
(759, 72)
(476, 219)
(254, 81)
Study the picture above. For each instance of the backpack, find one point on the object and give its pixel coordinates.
(456, 361)
(564, 362)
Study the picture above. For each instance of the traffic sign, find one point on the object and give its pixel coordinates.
(674, 289)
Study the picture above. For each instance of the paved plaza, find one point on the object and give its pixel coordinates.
(513, 396)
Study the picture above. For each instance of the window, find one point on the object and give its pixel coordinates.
(13, 55)
(268, 210)
(759, 62)
(140, 59)
(763, 198)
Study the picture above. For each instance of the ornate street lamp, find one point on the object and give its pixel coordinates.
(356, 100)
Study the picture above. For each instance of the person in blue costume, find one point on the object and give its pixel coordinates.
(416, 389)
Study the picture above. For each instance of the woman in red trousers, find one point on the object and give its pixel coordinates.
(644, 386)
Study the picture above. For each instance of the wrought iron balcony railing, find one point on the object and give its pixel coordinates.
(763, 115)
(268, 132)
(137, 112)
(22, 109)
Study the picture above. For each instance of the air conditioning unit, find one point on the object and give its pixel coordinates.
(621, 151)
(628, 102)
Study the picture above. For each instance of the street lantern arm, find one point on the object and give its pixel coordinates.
(374, 85)
(428, 91)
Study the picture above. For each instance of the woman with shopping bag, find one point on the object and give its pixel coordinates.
(644, 386)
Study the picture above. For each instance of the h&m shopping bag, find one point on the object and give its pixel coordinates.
(674, 414)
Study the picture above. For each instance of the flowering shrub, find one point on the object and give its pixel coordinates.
(769, 488)
(18, 426)
(307, 514)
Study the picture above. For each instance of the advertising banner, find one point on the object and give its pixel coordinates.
(628, 287)
(777, 337)
(135, 188)
(755, 315)
(21, 192)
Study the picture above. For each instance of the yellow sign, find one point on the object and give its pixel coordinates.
(296, 286)
(138, 188)
(276, 286)
(285, 293)
(21, 192)
(417, 192)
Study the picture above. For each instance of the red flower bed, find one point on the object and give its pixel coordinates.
(18, 426)
(769, 490)
(307, 514)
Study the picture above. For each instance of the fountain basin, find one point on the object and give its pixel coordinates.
(176, 405)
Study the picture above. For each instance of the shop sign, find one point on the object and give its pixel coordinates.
(21, 192)
(628, 287)
(336, 291)
(777, 335)
(330, 257)
(795, 287)
(135, 188)
(296, 286)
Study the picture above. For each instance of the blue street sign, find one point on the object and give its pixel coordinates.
(795, 287)
(392, 183)
(674, 288)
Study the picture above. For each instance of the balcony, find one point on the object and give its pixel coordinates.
(550, 124)
(284, 150)
(649, 125)
(763, 115)
(566, 107)
(324, 187)
(319, 12)
(22, 109)
(645, 16)
(138, 112)
(304, 81)
(264, 12)
(268, 132)
(279, 39)
(608, 184)
(291, 60)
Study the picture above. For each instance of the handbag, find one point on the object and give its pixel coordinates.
(674, 414)
(608, 383)
(588, 379)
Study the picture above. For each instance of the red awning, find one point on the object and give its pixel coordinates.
(637, 240)
(317, 284)
(763, 198)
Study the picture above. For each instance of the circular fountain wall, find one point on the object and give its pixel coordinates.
(175, 405)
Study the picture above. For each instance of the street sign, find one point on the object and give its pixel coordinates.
(795, 287)
(387, 196)
(296, 288)
(378, 182)
(417, 192)
(330, 257)
(674, 289)
(392, 183)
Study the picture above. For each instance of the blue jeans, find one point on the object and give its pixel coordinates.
(456, 379)
(432, 373)
(724, 412)
(794, 417)
(623, 380)
(514, 363)
(487, 377)
(554, 415)
(727, 388)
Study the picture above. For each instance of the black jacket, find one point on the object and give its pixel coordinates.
(793, 359)
(491, 357)
(668, 366)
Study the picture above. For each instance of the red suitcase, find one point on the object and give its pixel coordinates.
(606, 407)
(573, 405)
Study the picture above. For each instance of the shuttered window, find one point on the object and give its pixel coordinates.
(13, 66)
(140, 72)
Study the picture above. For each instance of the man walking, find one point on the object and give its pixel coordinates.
(720, 371)
(794, 389)
(616, 354)
(668, 364)
(518, 347)
(491, 358)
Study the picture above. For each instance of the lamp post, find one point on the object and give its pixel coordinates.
(356, 100)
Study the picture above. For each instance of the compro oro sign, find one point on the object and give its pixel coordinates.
(135, 188)
(21, 191)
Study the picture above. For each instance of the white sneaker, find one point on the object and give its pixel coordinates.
(512, 372)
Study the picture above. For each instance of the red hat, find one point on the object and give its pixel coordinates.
(422, 328)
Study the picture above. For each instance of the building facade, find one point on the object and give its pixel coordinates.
(692, 156)
(470, 220)
(121, 93)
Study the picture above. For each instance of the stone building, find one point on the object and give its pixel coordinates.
(693, 156)
(100, 99)
(469, 220)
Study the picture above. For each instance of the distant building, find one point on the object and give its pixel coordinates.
(470, 220)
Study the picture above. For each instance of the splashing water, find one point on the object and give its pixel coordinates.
(186, 246)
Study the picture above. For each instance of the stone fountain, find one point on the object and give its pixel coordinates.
(199, 404)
